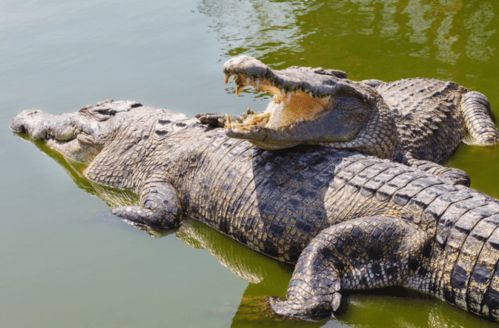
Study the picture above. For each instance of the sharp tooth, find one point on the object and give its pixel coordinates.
(239, 79)
(257, 83)
(288, 95)
(228, 121)
(226, 78)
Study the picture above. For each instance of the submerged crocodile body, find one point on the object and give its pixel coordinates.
(348, 221)
(415, 121)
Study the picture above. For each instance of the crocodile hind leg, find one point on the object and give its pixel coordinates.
(364, 253)
(481, 130)
(159, 207)
(451, 175)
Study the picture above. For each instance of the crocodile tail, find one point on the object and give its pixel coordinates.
(481, 130)
(468, 234)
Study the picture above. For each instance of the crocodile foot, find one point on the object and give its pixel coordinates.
(319, 308)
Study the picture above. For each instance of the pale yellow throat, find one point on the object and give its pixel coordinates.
(297, 107)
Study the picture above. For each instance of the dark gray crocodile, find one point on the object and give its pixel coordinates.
(348, 221)
(415, 121)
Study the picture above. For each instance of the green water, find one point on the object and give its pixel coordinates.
(67, 262)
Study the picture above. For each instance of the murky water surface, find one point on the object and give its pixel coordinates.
(66, 262)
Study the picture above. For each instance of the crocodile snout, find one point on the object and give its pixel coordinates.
(23, 121)
(34, 123)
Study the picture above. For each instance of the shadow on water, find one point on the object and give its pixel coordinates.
(390, 307)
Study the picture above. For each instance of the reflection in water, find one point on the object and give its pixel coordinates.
(420, 19)
(480, 24)
(255, 26)
(444, 29)
(243, 262)
(444, 40)
(265, 276)
(390, 26)
(112, 197)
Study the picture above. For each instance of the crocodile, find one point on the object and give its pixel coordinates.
(343, 219)
(416, 121)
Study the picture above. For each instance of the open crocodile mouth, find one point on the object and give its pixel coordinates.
(299, 94)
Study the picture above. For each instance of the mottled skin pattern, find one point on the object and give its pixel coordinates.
(417, 121)
(348, 221)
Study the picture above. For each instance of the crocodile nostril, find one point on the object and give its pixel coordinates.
(21, 128)
(23, 122)
(18, 125)
(33, 112)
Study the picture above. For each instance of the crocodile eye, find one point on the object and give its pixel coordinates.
(99, 113)
(332, 72)
(106, 109)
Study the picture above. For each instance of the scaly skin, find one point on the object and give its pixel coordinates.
(434, 116)
(415, 121)
(347, 220)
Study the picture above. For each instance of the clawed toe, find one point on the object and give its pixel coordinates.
(211, 119)
(309, 310)
(133, 214)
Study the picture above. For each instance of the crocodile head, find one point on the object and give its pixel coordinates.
(80, 136)
(309, 106)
